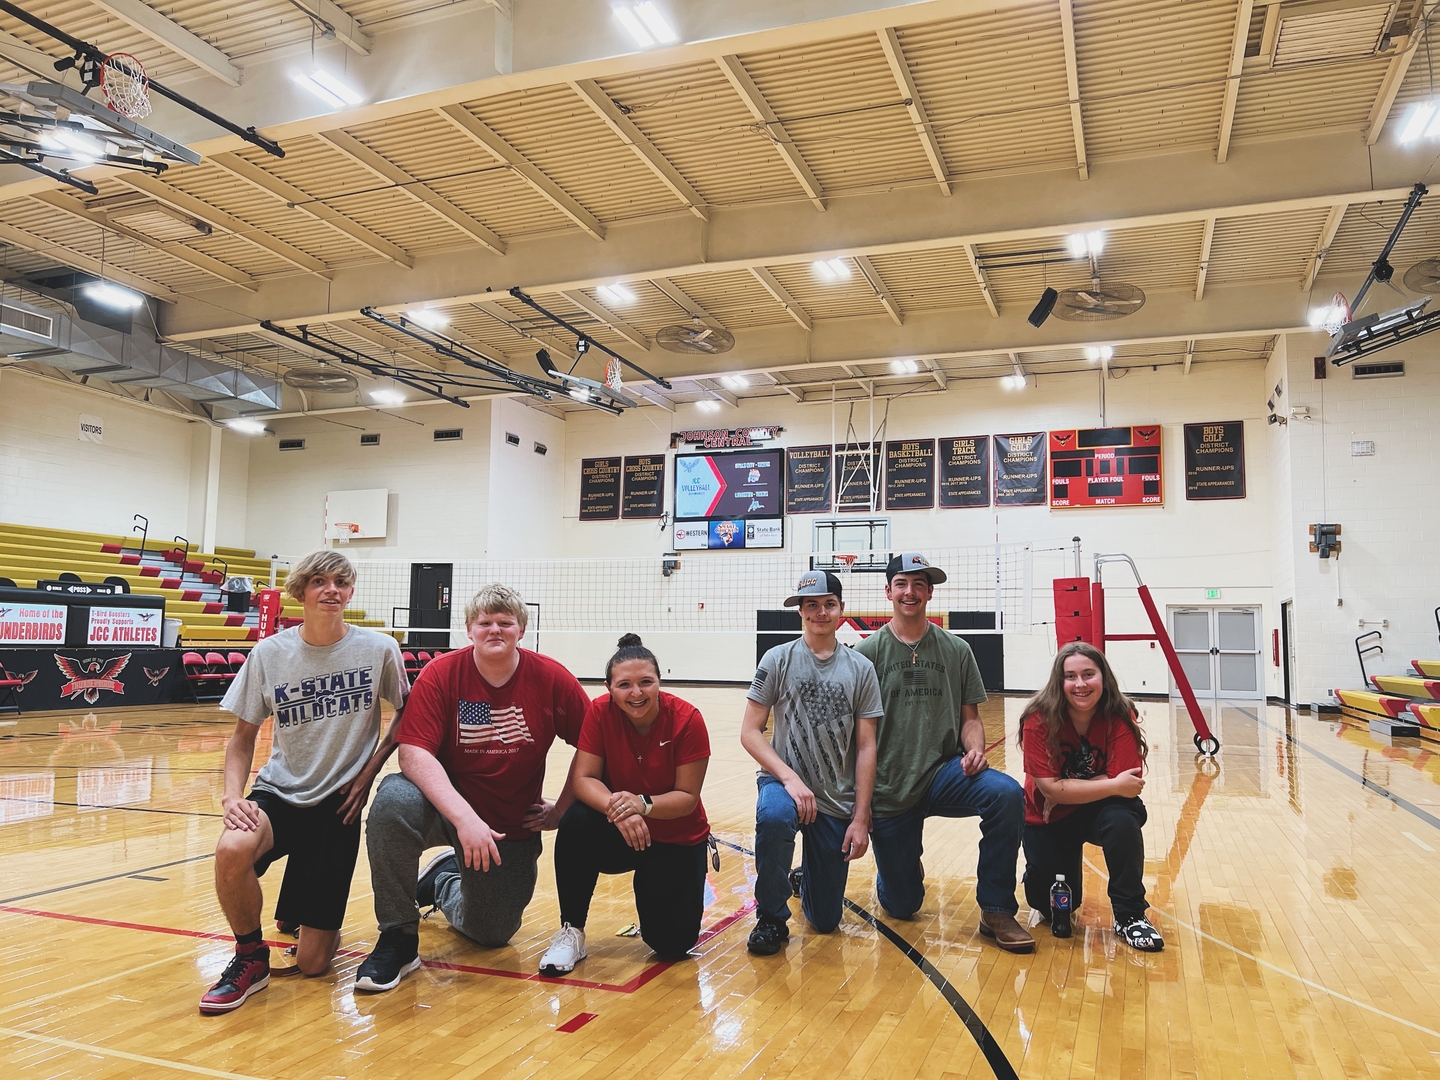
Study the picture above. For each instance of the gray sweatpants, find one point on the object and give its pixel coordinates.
(485, 907)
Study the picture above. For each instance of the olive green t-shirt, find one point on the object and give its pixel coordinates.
(920, 728)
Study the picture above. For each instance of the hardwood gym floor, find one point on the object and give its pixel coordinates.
(1295, 885)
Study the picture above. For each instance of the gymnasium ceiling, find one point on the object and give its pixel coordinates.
(1240, 158)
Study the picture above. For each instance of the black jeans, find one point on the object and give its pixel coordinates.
(1111, 824)
(669, 879)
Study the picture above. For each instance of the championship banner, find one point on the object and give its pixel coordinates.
(599, 489)
(858, 467)
(644, 486)
(965, 471)
(32, 624)
(910, 474)
(809, 476)
(1113, 466)
(1020, 469)
(1215, 461)
(124, 626)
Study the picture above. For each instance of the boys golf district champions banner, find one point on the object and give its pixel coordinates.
(1215, 460)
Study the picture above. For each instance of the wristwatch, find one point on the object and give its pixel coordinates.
(646, 805)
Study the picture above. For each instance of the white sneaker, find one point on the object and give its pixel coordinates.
(566, 950)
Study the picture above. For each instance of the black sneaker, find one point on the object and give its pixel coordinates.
(444, 863)
(1138, 933)
(395, 955)
(768, 937)
(797, 879)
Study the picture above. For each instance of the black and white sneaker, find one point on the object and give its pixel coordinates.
(444, 863)
(768, 937)
(395, 955)
(1138, 933)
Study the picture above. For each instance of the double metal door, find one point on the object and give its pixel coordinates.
(1219, 650)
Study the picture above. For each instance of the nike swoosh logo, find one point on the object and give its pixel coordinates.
(667, 742)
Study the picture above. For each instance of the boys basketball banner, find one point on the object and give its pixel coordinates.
(1215, 461)
(1114, 466)
(910, 474)
(1020, 469)
(599, 489)
(808, 476)
(644, 487)
(965, 471)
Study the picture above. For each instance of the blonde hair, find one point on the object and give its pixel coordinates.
(318, 562)
(493, 599)
(1050, 707)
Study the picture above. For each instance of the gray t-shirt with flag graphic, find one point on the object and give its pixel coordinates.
(816, 704)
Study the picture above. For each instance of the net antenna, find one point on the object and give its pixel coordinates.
(124, 85)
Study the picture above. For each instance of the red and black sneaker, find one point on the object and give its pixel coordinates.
(247, 974)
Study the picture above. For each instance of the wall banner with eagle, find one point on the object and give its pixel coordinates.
(94, 677)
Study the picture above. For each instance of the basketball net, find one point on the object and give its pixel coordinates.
(125, 86)
(612, 375)
(343, 529)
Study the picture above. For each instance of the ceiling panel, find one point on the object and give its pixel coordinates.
(735, 298)
(930, 279)
(1299, 100)
(1273, 246)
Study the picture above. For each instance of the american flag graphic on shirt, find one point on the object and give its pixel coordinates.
(480, 724)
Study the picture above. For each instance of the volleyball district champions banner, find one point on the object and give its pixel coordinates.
(910, 474)
(965, 471)
(644, 495)
(809, 479)
(1215, 461)
(1020, 469)
(599, 489)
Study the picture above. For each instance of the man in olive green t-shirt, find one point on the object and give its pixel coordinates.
(931, 759)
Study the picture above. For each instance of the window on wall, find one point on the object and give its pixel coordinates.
(856, 543)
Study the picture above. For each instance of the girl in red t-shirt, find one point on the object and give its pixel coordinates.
(1084, 766)
(638, 769)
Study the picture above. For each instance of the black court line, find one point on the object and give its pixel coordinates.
(108, 806)
(108, 877)
(999, 1063)
(1363, 781)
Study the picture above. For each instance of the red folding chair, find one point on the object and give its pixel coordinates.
(412, 666)
(8, 701)
(200, 676)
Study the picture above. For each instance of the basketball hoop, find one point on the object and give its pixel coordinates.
(612, 375)
(847, 559)
(124, 85)
(344, 530)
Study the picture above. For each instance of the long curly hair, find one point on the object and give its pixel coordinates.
(1051, 707)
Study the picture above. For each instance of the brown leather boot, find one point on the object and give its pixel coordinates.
(1008, 934)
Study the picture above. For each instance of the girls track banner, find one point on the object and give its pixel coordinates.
(809, 480)
(910, 474)
(600, 489)
(1020, 469)
(1215, 461)
(965, 471)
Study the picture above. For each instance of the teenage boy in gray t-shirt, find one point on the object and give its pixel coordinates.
(323, 682)
(818, 775)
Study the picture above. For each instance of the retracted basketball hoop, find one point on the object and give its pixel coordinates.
(125, 86)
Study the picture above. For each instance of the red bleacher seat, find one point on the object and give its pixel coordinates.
(423, 658)
(237, 660)
(412, 666)
(203, 675)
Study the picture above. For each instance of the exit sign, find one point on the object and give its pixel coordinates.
(1212, 594)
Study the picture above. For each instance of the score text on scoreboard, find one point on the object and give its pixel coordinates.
(1113, 466)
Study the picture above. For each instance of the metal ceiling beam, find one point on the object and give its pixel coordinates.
(28, 58)
(760, 109)
(1072, 84)
(205, 263)
(1394, 80)
(174, 37)
(782, 296)
(347, 30)
(204, 211)
(597, 310)
(1232, 81)
(78, 260)
(425, 195)
(1322, 245)
(655, 397)
(680, 296)
(895, 57)
(629, 134)
(1206, 240)
(941, 379)
(882, 291)
(298, 200)
(979, 272)
(1189, 355)
(506, 154)
(373, 337)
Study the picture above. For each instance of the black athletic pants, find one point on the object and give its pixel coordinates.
(1111, 824)
(669, 879)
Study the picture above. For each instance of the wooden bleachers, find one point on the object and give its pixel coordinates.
(190, 583)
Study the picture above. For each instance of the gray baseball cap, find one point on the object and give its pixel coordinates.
(912, 562)
(815, 583)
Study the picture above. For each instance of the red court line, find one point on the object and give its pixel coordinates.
(576, 1022)
(629, 987)
(996, 743)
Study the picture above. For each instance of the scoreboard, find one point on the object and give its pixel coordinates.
(1113, 466)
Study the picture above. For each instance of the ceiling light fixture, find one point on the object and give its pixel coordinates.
(735, 382)
(1013, 382)
(1085, 245)
(1098, 354)
(387, 395)
(329, 89)
(245, 426)
(103, 292)
(904, 367)
(430, 318)
(831, 269)
(646, 23)
(1420, 120)
(617, 295)
(706, 405)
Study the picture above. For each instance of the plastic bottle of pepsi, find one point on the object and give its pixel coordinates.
(1060, 907)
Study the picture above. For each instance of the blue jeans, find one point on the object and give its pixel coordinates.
(992, 796)
(825, 868)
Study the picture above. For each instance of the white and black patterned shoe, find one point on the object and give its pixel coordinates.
(1138, 933)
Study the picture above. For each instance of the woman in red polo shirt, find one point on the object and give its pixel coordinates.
(638, 770)
(1084, 771)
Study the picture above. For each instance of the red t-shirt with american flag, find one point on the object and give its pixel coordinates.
(492, 740)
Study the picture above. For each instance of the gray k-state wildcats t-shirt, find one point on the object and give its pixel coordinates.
(816, 704)
(326, 704)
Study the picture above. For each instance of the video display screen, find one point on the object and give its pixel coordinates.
(743, 484)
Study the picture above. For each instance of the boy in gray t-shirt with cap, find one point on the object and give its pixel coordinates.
(818, 775)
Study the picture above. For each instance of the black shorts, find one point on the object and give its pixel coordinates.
(322, 851)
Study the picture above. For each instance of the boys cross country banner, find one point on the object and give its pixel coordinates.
(1215, 461)
(1020, 469)
(644, 487)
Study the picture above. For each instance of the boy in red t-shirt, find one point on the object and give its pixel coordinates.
(473, 744)
(637, 777)
(1084, 765)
